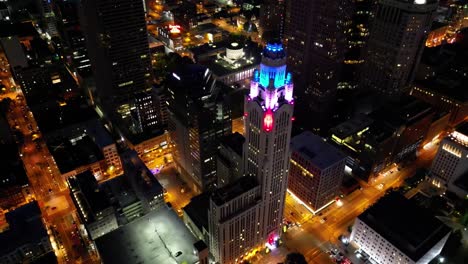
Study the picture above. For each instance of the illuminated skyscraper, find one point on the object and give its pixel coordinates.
(396, 41)
(316, 45)
(117, 42)
(272, 18)
(248, 213)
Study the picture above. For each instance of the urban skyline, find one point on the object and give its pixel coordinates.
(234, 132)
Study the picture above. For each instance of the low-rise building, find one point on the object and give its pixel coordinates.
(158, 237)
(195, 216)
(93, 206)
(146, 187)
(26, 238)
(396, 230)
(316, 171)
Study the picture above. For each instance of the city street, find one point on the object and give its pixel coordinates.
(49, 188)
(178, 194)
(316, 234)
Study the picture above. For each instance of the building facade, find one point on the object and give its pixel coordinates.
(272, 18)
(316, 171)
(450, 166)
(199, 117)
(117, 44)
(247, 214)
(397, 230)
(316, 45)
(396, 41)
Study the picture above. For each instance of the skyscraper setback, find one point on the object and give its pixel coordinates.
(397, 36)
(118, 48)
(257, 199)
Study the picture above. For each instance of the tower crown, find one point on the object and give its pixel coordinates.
(271, 82)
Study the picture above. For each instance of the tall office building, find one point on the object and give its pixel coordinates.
(316, 45)
(356, 39)
(248, 213)
(272, 18)
(117, 43)
(198, 118)
(396, 41)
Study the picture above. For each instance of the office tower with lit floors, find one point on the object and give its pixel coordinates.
(394, 48)
(272, 19)
(246, 215)
(117, 44)
(199, 117)
(316, 45)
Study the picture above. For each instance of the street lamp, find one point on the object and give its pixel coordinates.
(441, 259)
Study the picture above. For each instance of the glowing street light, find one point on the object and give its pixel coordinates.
(339, 203)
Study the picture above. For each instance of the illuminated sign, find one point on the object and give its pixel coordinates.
(174, 29)
(268, 121)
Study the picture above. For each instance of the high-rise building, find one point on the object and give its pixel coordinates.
(317, 170)
(397, 230)
(248, 213)
(198, 117)
(118, 48)
(396, 41)
(356, 39)
(272, 18)
(229, 160)
(450, 166)
(316, 43)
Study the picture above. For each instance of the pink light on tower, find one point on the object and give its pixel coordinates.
(268, 121)
(253, 89)
(271, 98)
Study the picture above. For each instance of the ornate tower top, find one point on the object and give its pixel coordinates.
(271, 86)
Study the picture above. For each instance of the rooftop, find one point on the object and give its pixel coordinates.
(25, 227)
(154, 238)
(234, 141)
(410, 228)
(140, 176)
(316, 150)
(121, 189)
(55, 117)
(24, 29)
(70, 156)
(352, 126)
(197, 210)
(233, 190)
(85, 188)
(405, 112)
(460, 135)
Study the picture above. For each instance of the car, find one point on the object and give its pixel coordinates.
(178, 253)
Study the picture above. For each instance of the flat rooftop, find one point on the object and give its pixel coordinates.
(85, 188)
(153, 238)
(56, 117)
(25, 226)
(352, 126)
(197, 210)
(233, 190)
(234, 141)
(70, 156)
(410, 228)
(316, 150)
